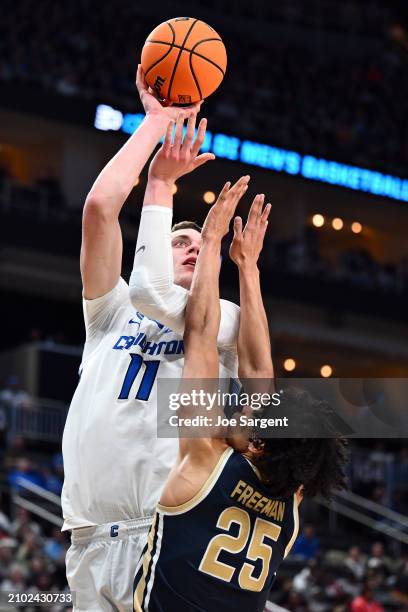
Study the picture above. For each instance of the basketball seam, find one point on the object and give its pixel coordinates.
(208, 60)
(194, 76)
(166, 54)
(178, 58)
(162, 42)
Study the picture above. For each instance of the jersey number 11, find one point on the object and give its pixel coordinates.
(146, 384)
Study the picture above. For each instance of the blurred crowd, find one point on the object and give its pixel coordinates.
(32, 555)
(328, 580)
(356, 268)
(297, 94)
(32, 550)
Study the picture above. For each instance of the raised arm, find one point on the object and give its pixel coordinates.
(199, 455)
(153, 290)
(203, 309)
(101, 250)
(254, 349)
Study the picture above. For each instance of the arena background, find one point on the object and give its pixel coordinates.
(308, 83)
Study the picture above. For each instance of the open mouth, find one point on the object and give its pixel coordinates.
(190, 262)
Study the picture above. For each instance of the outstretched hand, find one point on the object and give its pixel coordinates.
(153, 106)
(247, 244)
(179, 157)
(218, 219)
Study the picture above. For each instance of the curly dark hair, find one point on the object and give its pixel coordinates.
(317, 463)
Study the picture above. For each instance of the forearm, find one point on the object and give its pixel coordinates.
(118, 178)
(254, 348)
(203, 306)
(152, 288)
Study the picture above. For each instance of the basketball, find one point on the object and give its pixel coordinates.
(184, 60)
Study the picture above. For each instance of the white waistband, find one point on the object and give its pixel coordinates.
(118, 530)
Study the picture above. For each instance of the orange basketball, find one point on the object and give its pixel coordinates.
(184, 60)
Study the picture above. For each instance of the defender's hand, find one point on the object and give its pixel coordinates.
(218, 219)
(174, 159)
(153, 106)
(247, 245)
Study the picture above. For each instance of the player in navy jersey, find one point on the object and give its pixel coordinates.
(228, 514)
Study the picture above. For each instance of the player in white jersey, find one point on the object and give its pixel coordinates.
(114, 464)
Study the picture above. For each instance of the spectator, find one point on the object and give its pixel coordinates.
(13, 395)
(307, 546)
(7, 547)
(24, 470)
(15, 580)
(377, 560)
(28, 548)
(23, 522)
(365, 602)
(308, 582)
(355, 562)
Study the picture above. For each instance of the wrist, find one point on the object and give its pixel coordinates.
(246, 266)
(211, 239)
(160, 182)
(158, 116)
(158, 192)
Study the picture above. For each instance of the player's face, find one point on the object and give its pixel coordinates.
(186, 245)
(238, 437)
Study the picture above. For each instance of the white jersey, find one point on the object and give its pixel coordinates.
(115, 465)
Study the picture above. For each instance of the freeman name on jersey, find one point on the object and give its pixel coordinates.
(249, 497)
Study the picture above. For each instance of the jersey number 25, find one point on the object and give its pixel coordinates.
(257, 549)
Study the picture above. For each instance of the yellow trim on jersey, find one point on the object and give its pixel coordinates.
(141, 587)
(203, 492)
(295, 526)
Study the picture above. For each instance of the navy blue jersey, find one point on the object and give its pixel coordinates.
(219, 551)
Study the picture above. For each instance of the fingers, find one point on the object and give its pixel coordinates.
(198, 143)
(140, 79)
(168, 139)
(230, 200)
(189, 137)
(178, 136)
(186, 146)
(256, 208)
(203, 159)
(238, 190)
(237, 228)
(265, 213)
(224, 192)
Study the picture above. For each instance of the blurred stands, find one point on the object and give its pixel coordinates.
(340, 99)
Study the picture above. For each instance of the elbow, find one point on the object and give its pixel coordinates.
(139, 296)
(99, 206)
(145, 299)
(95, 207)
(262, 373)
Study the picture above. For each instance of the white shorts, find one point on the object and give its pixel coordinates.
(101, 564)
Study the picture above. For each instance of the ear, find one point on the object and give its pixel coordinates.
(257, 449)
